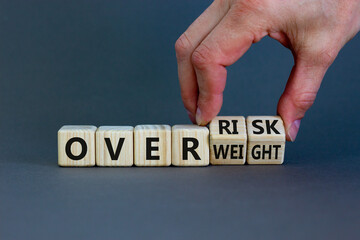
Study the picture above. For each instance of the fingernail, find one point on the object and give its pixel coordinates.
(191, 116)
(198, 117)
(294, 129)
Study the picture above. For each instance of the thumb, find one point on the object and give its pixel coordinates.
(300, 91)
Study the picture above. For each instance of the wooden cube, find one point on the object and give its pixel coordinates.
(115, 146)
(228, 140)
(190, 145)
(76, 146)
(266, 140)
(152, 145)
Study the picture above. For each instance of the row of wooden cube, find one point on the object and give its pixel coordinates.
(228, 140)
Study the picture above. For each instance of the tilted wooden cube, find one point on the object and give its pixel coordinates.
(190, 145)
(152, 145)
(228, 140)
(115, 146)
(76, 146)
(266, 140)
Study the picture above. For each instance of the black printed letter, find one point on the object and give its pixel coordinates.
(224, 125)
(83, 148)
(150, 148)
(114, 156)
(256, 154)
(222, 151)
(271, 126)
(261, 129)
(187, 149)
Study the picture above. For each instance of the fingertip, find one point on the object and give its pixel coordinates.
(199, 118)
(292, 130)
(207, 108)
(205, 116)
(288, 114)
(191, 117)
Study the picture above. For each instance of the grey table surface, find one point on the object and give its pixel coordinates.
(113, 63)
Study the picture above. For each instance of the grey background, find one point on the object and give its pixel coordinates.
(113, 63)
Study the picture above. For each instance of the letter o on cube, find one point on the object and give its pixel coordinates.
(76, 146)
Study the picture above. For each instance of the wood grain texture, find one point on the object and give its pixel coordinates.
(266, 140)
(191, 134)
(228, 140)
(152, 141)
(87, 134)
(118, 136)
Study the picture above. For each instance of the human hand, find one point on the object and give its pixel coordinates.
(314, 30)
